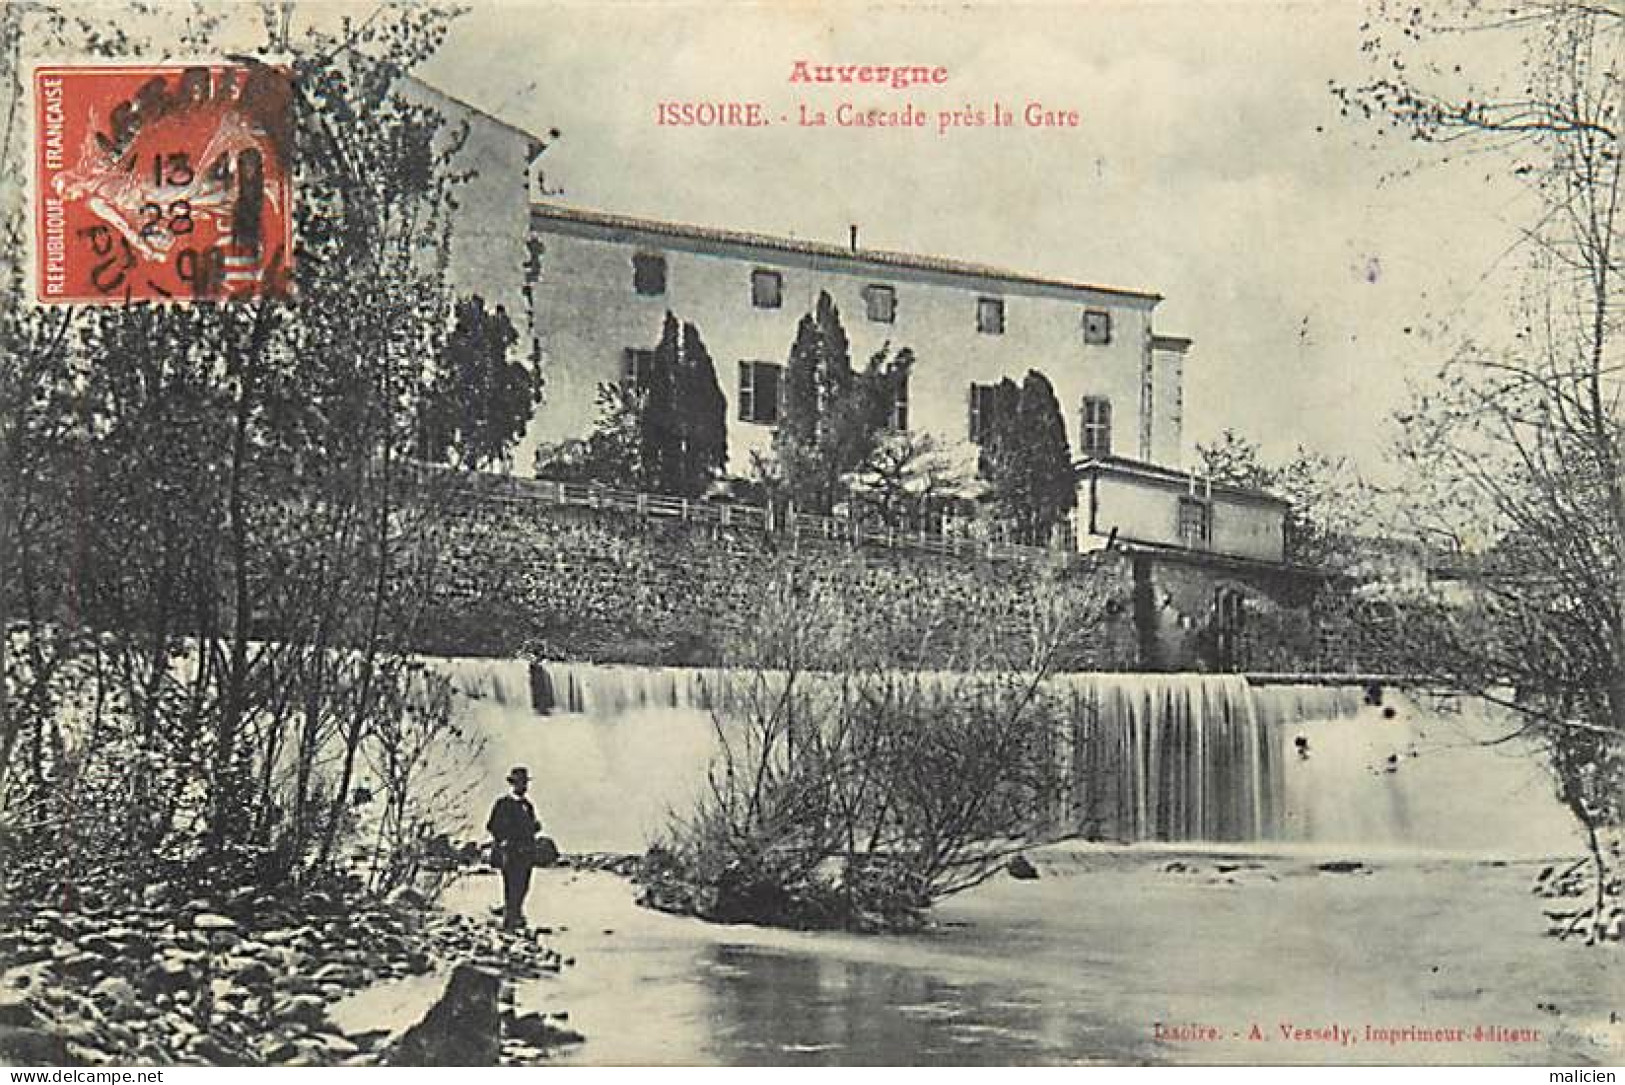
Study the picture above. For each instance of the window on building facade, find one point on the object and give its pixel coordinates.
(766, 289)
(1097, 326)
(990, 316)
(881, 302)
(649, 273)
(635, 368)
(759, 392)
(899, 404)
(982, 400)
(1095, 436)
(1195, 522)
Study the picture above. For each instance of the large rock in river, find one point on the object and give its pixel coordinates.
(462, 1029)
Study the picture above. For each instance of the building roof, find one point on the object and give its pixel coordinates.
(862, 258)
(534, 144)
(1167, 476)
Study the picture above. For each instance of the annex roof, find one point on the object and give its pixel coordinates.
(1168, 477)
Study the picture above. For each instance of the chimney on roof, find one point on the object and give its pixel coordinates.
(853, 230)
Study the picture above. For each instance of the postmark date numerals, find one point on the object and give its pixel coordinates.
(172, 170)
(176, 220)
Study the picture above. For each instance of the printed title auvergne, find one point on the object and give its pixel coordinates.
(805, 75)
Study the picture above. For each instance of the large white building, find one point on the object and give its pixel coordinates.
(607, 282)
(589, 291)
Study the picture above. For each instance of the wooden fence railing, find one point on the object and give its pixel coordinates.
(786, 522)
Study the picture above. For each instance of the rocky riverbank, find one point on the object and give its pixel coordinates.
(250, 981)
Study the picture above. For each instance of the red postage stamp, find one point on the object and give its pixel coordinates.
(162, 182)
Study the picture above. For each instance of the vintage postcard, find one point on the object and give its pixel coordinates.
(789, 533)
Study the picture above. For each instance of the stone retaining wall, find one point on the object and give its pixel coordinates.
(528, 577)
(533, 578)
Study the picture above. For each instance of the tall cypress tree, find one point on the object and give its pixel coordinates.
(818, 387)
(657, 420)
(832, 415)
(702, 417)
(1052, 490)
(834, 372)
(799, 406)
(1027, 459)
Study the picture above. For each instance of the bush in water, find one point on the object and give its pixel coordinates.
(849, 795)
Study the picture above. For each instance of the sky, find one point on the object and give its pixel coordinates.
(1314, 266)
(1318, 265)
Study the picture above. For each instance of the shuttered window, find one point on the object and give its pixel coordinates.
(759, 392)
(881, 303)
(1095, 434)
(981, 411)
(1195, 522)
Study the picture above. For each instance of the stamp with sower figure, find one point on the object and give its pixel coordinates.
(162, 182)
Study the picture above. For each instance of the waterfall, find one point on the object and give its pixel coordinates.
(596, 689)
(1181, 756)
(499, 681)
(1137, 757)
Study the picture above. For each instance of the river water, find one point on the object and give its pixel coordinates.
(1206, 904)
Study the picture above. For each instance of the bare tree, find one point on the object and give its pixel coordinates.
(1330, 503)
(216, 538)
(1516, 446)
(422, 762)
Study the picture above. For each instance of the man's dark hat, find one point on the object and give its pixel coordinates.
(519, 773)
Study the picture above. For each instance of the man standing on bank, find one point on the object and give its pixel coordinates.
(513, 825)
